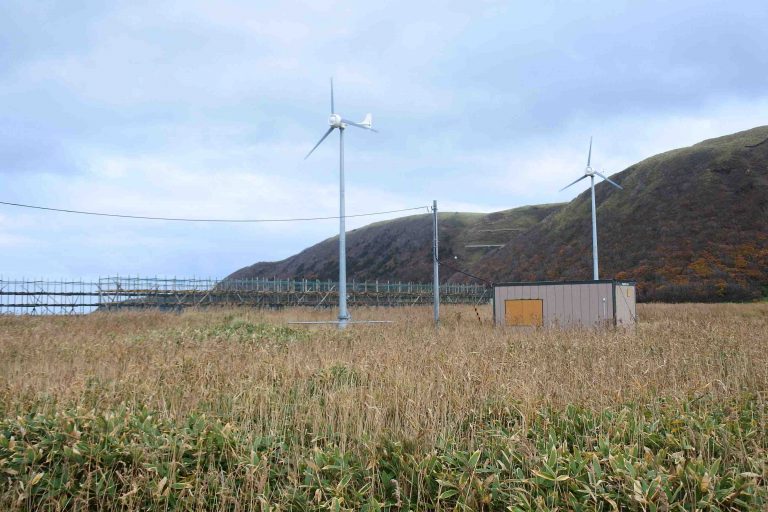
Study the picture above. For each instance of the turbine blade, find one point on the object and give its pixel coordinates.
(319, 142)
(333, 107)
(363, 126)
(589, 158)
(574, 182)
(610, 181)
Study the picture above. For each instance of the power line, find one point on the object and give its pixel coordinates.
(181, 219)
(446, 264)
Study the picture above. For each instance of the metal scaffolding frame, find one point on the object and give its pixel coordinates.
(119, 293)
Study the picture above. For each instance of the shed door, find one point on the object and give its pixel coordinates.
(529, 312)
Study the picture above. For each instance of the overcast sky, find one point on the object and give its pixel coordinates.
(206, 109)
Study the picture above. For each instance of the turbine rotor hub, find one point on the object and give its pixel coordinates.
(335, 121)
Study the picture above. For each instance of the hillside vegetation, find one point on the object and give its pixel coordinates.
(233, 410)
(401, 249)
(690, 225)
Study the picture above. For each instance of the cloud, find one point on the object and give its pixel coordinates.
(198, 109)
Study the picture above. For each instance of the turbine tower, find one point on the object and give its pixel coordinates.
(590, 173)
(338, 122)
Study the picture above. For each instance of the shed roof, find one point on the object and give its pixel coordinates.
(545, 283)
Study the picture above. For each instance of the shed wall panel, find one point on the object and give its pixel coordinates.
(498, 304)
(558, 319)
(554, 317)
(621, 305)
(568, 304)
(609, 299)
(585, 304)
(581, 305)
(603, 308)
(562, 314)
(573, 304)
(611, 305)
(557, 305)
(504, 295)
(549, 305)
(594, 309)
(564, 307)
(625, 305)
(555, 313)
(576, 294)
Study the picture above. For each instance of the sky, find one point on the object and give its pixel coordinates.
(207, 109)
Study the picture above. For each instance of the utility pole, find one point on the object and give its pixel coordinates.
(435, 264)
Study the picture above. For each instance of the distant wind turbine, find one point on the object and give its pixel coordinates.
(590, 173)
(338, 122)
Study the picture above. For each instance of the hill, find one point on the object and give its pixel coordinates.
(690, 225)
(401, 249)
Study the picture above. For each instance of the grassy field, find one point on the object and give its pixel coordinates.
(235, 410)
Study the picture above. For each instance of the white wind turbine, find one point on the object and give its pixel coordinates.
(590, 173)
(338, 122)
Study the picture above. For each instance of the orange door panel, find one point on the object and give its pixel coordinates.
(526, 312)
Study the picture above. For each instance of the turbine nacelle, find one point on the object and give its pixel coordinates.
(335, 121)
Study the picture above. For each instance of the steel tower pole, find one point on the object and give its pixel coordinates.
(435, 270)
(343, 315)
(594, 229)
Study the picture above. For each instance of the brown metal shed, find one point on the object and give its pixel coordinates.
(565, 304)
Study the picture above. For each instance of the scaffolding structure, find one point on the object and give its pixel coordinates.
(43, 297)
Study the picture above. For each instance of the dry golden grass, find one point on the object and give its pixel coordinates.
(415, 380)
(411, 380)
(405, 381)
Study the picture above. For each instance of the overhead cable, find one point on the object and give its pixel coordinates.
(446, 264)
(182, 219)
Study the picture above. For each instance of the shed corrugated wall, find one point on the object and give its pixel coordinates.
(626, 309)
(565, 304)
